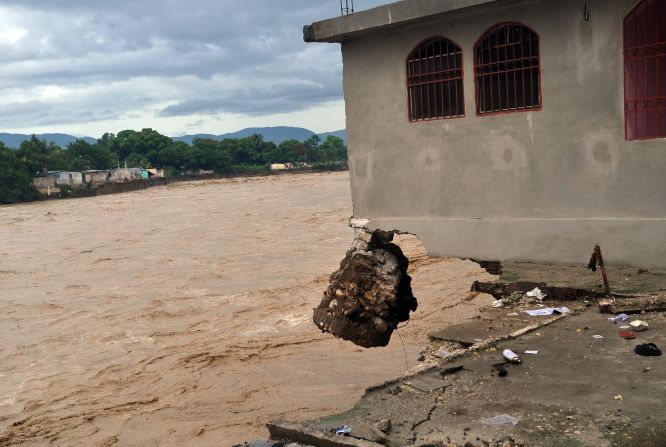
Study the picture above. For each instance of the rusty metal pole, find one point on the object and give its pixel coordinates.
(597, 259)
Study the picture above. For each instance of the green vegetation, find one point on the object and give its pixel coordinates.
(150, 149)
(15, 179)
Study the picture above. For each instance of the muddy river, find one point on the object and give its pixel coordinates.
(181, 315)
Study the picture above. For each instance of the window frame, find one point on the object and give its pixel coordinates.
(627, 60)
(487, 34)
(460, 99)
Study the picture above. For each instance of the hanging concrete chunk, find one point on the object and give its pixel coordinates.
(369, 294)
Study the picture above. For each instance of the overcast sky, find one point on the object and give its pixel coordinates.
(86, 67)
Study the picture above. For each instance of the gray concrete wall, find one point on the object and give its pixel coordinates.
(544, 185)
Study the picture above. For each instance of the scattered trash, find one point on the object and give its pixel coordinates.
(618, 397)
(479, 340)
(343, 430)
(442, 353)
(628, 335)
(625, 326)
(498, 303)
(511, 356)
(500, 420)
(502, 372)
(648, 350)
(532, 352)
(513, 314)
(548, 311)
(598, 337)
(536, 293)
(452, 370)
(621, 317)
(647, 370)
(638, 325)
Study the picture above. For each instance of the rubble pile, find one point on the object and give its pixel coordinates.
(370, 294)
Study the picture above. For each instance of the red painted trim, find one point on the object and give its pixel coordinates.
(478, 43)
(462, 79)
(632, 59)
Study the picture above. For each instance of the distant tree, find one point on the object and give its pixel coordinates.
(15, 180)
(145, 143)
(135, 160)
(39, 156)
(82, 155)
(174, 156)
(212, 154)
(333, 149)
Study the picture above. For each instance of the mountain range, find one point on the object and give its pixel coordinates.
(275, 134)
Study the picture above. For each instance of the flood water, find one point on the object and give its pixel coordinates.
(181, 315)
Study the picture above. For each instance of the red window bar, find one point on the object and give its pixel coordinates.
(507, 70)
(645, 71)
(435, 80)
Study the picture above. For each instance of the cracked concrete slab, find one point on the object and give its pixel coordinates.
(577, 391)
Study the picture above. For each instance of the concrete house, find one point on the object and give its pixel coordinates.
(121, 175)
(96, 177)
(509, 129)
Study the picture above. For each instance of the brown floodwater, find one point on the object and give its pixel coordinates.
(181, 315)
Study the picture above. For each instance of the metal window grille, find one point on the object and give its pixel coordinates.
(507, 70)
(645, 71)
(435, 80)
(346, 7)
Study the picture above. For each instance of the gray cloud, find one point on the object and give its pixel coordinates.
(86, 60)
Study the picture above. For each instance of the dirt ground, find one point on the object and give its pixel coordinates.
(181, 315)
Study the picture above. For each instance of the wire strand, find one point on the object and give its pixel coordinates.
(404, 349)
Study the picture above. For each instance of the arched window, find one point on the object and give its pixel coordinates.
(435, 80)
(645, 71)
(507, 70)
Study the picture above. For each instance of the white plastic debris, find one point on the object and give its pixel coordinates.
(598, 337)
(500, 420)
(442, 353)
(621, 317)
(536, 293)
(639, 325)
(498, 303)
(343, 430)
(511, 356)
(547, 311)
(532, 352)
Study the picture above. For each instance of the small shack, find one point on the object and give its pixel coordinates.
(95, 177)
(121, 175)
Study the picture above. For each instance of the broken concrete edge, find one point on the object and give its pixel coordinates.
(492, 267)
(635, 305)
(304, 435)
(457, 354)
(501, 290)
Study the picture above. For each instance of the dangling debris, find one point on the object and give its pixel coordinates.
(369, 294)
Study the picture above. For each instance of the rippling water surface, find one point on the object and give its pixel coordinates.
(181, 315)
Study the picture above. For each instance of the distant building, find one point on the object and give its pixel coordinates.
(121, 175)
(281, 166)
(95, 177)
(51, 181)
(509, 129)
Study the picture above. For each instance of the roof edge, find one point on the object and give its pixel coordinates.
(341, 28)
